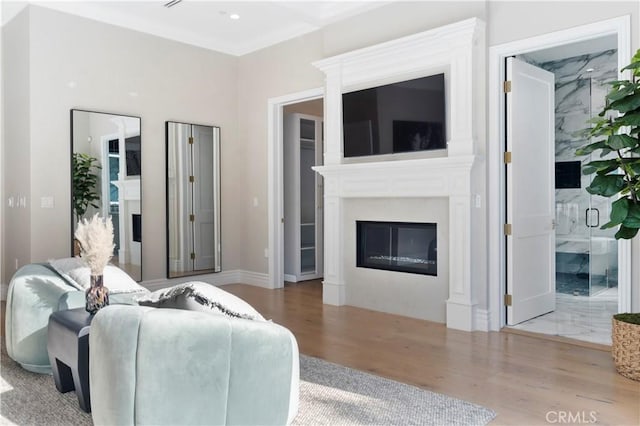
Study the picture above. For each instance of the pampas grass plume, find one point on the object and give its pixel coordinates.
(96, 242)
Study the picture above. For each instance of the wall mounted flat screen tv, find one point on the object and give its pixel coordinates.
(132, 155)
(132, 146)
(400, 117)
(568, 174)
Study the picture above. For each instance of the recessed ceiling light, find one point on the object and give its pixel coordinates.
(234, 16)
(590, 70)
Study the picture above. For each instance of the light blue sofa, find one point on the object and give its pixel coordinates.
(35, 291)
(162, 366)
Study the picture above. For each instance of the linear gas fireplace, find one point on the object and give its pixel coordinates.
(397, 246)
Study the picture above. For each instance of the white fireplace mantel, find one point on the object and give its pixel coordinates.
(458, 50)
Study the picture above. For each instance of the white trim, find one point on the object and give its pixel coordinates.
(257, 279)
(219, 278)
(482, 319)
(459, 49)
(495, 147)
(275, 180)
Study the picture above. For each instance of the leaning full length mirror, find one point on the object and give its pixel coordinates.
(193, 199)
(106, 179)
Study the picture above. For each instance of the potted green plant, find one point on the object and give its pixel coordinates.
(625, 344)
(84, 183)
(616, 131)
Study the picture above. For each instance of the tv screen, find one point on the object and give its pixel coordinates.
(568, 174)
(132, 155)
(400, 117)
(132, 146)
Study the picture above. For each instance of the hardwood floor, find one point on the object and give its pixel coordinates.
(526, 380)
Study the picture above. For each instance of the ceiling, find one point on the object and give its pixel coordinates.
(209, 24)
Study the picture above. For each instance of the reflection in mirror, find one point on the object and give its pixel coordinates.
(193, 199)
(106, 179)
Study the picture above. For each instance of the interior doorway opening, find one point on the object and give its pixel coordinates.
(275, 161)
(586, 258)
(303, 147)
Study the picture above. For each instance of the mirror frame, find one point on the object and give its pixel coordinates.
(71, 187)
(217, 164)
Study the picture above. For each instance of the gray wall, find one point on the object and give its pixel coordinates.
(16, 158)
(216, 89)
(47, 50)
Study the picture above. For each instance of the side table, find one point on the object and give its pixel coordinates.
(68, 348)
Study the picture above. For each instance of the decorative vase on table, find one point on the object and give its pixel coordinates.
(96, 249)
(97, 295)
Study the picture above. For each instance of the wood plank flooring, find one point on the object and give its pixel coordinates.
(526, 380)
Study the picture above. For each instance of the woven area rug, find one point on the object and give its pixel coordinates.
(330, 394)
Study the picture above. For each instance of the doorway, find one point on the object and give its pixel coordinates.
(303, 148)
(592, 270)
(584, 257)
(276, 219)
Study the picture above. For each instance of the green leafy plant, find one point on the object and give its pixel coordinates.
(616, 130)
(84, 183)
(629, 318)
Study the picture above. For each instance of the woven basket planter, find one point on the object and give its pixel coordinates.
(625, 348)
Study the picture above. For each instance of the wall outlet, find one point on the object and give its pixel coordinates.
(266, 253)
(255, 201)
(16, 264)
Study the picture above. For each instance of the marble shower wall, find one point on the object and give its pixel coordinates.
(580, 95)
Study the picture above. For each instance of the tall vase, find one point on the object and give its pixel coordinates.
(97, 295)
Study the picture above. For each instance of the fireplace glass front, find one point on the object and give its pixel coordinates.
(397, 246)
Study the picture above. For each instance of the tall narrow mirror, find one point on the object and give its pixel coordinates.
(106, 178)
(193, 199)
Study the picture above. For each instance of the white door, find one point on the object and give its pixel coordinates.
(530, 191)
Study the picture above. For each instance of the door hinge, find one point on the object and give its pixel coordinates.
(507, 86)
(507, 300)
(507, 157)
(507, 229)
(190, 140)
(192, 179)
(193, 256)
(192, 218)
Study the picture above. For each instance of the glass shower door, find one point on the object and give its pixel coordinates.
(586, 256)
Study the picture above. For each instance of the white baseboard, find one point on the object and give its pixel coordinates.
(220, 278)
(482, 320)
(254, 278)
(290, 278)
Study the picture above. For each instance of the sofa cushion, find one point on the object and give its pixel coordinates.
(199, 296)
(78, 274)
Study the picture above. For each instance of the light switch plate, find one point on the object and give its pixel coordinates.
(46, 202)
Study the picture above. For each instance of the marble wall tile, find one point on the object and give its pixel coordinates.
(580, 95)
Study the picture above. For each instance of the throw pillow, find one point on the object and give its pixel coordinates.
(76, 273)
(203, 297)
